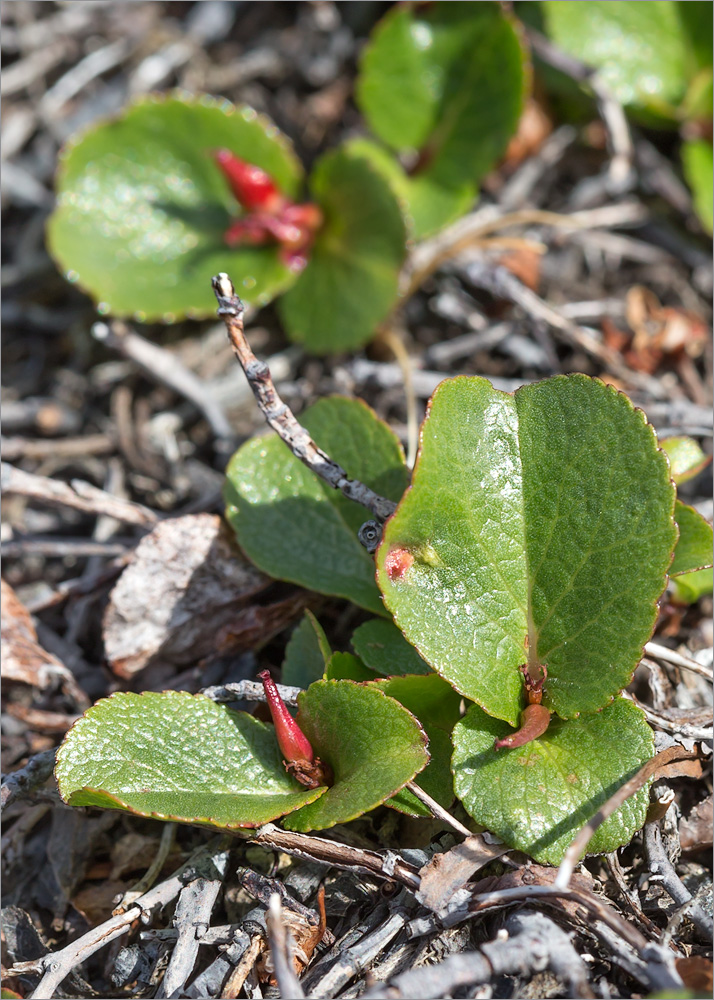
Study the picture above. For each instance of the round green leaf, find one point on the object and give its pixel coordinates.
(383, 648)
(430, 699)
(295, 527)
(689, 587)
(142, 208)
(538, 525)
(641, 49)
(351, 281)
(698, 163)
(448, 80)
(306, 653)
(373, 745)
(694, 547)
(180, 757)
(537, 797)
(686, 458)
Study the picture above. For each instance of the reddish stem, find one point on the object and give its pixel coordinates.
(294, 744)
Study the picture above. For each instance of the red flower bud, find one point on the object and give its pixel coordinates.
(252, 187)
(293, 743)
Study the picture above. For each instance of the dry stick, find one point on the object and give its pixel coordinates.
(250, 691)
(330, 852)
(678, 659)
(396, 346)
(623, 150)
(56, 967)
(660, 865)
(438, 811)
(250, 956)
(78, 495)
(281, 949)
(164, 367)
(192, 919)
(21, 783)
(637, 781)
(280, 417)
(60, 548)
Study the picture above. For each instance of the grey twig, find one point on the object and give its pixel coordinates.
(438, 811)
(661, 866)
(56, 967)
(36, 771)
(678, 659)
(164, 367)
(78, 495)
(281, 952)
(192, 919)
(637, 781)
(534, 942)
(249, 691)
(280, 417)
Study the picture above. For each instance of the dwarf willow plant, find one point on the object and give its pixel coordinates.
(519, 576)
(153, 202)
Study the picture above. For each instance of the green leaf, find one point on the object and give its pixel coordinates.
(346, 667)
(537, 797)
(686, 458)
(436, 778)
(538, 524)
(448, 80)
(373, 745)
(694, 547)
(641, 49)
(177, 756)
(688, 588)
(351, 281)
(383, 648)
(142, 208)
(430, 699)
(291, 524)
(698, 163)
(306, 653)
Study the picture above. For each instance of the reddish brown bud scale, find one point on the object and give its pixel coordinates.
(294, 744)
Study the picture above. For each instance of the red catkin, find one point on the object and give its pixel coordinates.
(252, 187)
(294, 744)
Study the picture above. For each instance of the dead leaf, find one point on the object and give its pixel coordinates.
(186, 582)
(660, 333)
(524, 263)
(696, 972)
(447, 872)
(695, 832)
(533, 129)
(95, 901)
(40, 719)
(255, 625)
(23, 659)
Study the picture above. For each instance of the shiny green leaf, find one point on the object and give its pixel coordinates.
(295, 527)
(686, 458)
(698, 163)
(142, 208)
(537, 797)
(373, 745)
(179, 757)
(538, 526)
(446, 80)
(351, 281)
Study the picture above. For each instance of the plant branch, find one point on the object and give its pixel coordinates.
(280, 417)
(281, 951)
(438, 811)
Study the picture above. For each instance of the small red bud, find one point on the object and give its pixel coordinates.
(252, 187)
(293, 743)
